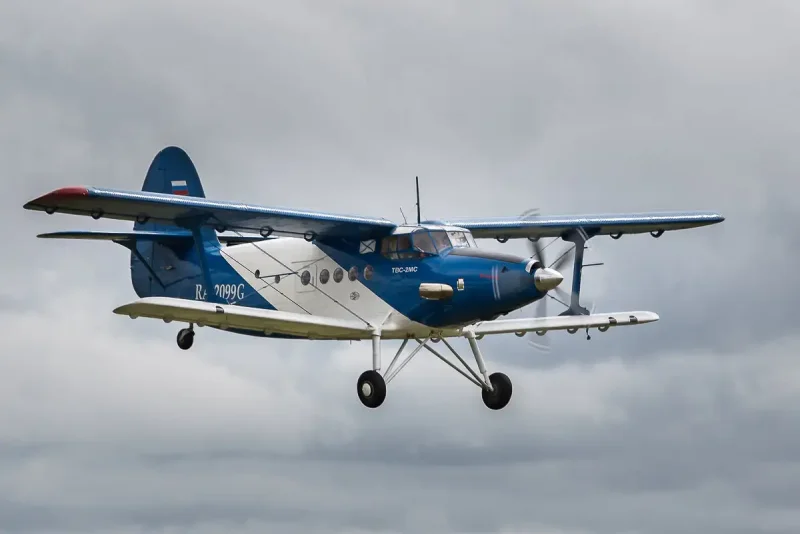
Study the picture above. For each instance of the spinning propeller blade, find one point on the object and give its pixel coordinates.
(542, 342)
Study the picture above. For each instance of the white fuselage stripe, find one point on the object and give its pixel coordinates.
(346, 299)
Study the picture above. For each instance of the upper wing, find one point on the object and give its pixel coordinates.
(555, 226)
(563, 322)
(241, 317)
(188, 211)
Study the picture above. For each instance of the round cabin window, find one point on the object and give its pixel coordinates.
(338, 274)
(305, 278)
(368, 272)
(352, 274)
(324, 276)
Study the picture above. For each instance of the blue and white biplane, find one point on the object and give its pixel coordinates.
(307, 275)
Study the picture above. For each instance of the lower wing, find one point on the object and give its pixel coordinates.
(226, 316)
(601, 321)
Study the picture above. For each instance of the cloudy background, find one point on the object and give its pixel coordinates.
(687, 425)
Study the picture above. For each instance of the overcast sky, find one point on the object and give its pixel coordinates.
(690, 424)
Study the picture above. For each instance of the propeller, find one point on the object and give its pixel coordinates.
(542, 342)
(537, 251)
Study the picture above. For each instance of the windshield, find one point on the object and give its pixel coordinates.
(458, 239)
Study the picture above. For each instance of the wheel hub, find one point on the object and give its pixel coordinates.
(366, 389)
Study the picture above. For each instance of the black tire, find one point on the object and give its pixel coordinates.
(185, 339)
(501, 394)
(371, 389)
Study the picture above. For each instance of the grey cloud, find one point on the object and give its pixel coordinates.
(683, 425)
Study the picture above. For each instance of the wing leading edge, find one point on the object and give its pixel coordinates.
(187, 212)
(609, 224)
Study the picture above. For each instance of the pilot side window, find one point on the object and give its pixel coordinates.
(423, 242)
(401, 247)
(441, 240)
(404, 250)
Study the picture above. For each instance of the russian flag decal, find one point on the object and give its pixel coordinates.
(179, 187)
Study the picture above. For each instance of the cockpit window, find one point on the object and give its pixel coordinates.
(404, 249)
(423, 241)
(458, 239)
(441, 240)
(415, 245)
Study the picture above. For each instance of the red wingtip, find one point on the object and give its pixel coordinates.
(52, 199)
(69, 192)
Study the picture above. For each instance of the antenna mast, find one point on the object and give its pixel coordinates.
(418, 216)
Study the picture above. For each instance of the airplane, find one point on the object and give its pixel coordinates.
(298, 274)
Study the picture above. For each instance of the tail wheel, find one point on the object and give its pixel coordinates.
(371, 389)
(185, 338)
(498, 398)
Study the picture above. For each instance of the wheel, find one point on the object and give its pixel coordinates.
(185, 338)
(500, 394)
(371, 389)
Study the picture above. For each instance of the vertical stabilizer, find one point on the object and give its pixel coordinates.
(158, 269)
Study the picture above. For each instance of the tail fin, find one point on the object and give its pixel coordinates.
(172, 172)
(162, 269)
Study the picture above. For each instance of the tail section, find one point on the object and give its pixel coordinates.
(160, 268)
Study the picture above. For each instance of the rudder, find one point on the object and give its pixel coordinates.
(158, 269)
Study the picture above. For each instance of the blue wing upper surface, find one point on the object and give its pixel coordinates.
(185, 211)
(607, 224)
(188, 212)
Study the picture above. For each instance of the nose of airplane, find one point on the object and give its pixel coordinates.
(546, 279)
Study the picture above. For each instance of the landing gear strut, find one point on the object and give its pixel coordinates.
(186, 338)
(496, 388)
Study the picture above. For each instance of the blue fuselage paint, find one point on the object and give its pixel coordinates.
(491, 286)
(181, 272)
(485, 285)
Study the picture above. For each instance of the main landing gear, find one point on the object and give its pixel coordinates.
(186, 338)
(496, 388)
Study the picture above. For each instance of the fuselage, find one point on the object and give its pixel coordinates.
(377, 281)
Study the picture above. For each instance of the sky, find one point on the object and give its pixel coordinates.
(690, 424)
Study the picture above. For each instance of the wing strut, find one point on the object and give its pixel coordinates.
(579, 237)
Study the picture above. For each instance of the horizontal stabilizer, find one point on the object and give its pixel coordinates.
(563, 322)
(129, 238)
(227, 316)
